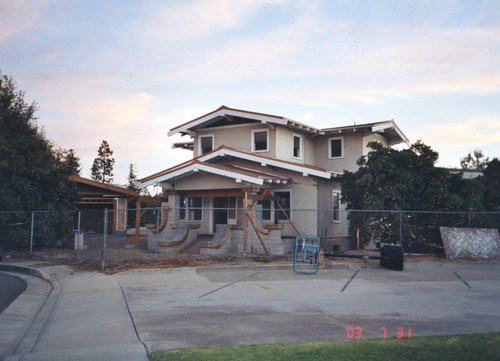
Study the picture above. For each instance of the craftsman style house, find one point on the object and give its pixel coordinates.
(257, 180)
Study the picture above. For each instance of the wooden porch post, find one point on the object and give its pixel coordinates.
(245, 233)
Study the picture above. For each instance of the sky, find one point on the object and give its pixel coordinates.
(127, 71)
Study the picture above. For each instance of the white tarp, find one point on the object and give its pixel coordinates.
(470, 242)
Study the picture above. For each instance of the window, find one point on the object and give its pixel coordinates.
(285, 203)
(335, 148)
(297, 146)
(335, 206)
(182, 205)
(193, 206)
(266, 210)
(232, 208)
(260, 141)
(206, 144)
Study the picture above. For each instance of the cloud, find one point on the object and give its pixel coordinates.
(17, 16)
(259, 54)
(78, 115)
(471, 133)
(191, 20)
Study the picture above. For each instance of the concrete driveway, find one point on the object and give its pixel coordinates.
(234, 306)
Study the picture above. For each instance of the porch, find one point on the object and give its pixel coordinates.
(217, 223)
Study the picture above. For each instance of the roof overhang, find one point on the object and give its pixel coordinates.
(104, 186)
(388, 128)
(226, 112)
(202, 164)
(223, 112)
(264, 161)
(196, 167)
(394, 134)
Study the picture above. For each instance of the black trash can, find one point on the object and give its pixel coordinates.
(392, 257)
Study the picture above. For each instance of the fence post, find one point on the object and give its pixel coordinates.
(78, 239)
(400, 228)
(31, 233)
(104, 239)
(157, 232)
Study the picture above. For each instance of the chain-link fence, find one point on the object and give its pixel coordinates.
(109, 239)
(22, 229)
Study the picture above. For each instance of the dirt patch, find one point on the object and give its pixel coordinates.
(119, 257)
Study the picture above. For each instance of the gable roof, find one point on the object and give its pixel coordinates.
(239, 174)
(388, 127)
(232, 115)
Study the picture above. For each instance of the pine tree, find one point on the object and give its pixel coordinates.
(132, 179)
(102, 168)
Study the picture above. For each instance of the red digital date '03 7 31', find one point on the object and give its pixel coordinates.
(357, 332)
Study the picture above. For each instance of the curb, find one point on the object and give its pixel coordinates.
(264, 267)
(34, 323)
(21, 269)
(246, 267)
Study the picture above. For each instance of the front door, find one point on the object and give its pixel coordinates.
(220, 205)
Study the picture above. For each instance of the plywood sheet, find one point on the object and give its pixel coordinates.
(470, 242)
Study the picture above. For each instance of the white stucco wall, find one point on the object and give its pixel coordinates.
(352, 150)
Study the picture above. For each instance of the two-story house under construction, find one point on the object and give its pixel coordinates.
(257, 180)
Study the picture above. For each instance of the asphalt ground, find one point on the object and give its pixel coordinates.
(93, 316)
(10, 287)
(217, 307)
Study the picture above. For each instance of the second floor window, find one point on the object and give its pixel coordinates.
(297, 146)
(206, 144)
(335, 148)
(260, 141)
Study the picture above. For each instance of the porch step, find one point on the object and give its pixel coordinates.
(194, 247)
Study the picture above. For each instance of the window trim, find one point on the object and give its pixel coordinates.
(253, 140)
(200, 151)
(300, 146)
(330, 147)
(336, 211)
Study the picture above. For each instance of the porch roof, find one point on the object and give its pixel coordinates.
(238, 173)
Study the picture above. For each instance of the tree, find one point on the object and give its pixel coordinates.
(33, 173)
(389, 180)
(476, 160)
(491, 183)
(69, 161)
(102, 168)
(132, 179)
